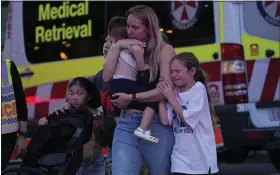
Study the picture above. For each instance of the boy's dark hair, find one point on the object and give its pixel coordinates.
(117, 27)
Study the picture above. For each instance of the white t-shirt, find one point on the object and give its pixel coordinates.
(194, 151)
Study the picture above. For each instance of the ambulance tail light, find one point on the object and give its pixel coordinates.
(234, 74)
(232, 52)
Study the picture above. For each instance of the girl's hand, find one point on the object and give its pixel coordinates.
(43, 121)
(165, 88)
(128, 43)
(122, 100)
(63, 107)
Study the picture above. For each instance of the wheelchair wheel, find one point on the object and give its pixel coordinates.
(24, 170)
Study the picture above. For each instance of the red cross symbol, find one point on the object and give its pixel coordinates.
(268, 3)
(178, 4)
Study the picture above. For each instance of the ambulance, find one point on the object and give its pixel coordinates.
(237, 43)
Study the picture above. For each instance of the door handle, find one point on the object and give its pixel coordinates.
(26, 72)
(215, 55)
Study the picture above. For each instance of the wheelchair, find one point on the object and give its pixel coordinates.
(61, 163)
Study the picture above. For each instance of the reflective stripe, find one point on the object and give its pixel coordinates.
(5, 77)
(7, 98)
(203, 52)
(9, 121)
(219, 137)
(221, 21)
(257, 80)
(7, 90)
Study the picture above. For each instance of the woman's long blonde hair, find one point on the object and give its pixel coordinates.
(152, 53)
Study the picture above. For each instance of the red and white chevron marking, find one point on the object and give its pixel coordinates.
(44, 99)
(263, 79)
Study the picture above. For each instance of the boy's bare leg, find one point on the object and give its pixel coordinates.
(147, 118)
(143, 131)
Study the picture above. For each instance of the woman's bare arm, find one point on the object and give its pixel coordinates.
(166, 55)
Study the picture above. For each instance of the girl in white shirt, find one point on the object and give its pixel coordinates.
(190, 113)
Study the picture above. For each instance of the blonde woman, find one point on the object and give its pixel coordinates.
(128, 150)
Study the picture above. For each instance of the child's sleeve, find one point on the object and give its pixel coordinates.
(195, 108)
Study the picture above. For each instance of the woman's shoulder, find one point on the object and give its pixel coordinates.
(166, 47)
(167, 50)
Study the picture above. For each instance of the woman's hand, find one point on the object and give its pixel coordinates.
(43, 121)
(128, 43)
(138, 51)
(122, 100)
(165, 88)
(159, 82)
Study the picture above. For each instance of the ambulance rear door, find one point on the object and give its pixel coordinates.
(260, 27)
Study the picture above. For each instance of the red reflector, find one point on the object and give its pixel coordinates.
(236, 99)
(256, 135)
(235, 88)
(36, 99)
(32, 99)
(232, 51)
(234, 78)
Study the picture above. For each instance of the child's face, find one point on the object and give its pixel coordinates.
(77, 96)
(180, 75)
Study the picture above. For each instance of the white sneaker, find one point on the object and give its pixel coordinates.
(146, 135)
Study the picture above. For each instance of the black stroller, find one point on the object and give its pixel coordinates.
(57, 148)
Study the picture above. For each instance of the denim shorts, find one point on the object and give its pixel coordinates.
(128, 151)
(93, 166)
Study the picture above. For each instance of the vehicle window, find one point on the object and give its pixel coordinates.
(261, 17)
(56, 31)
(4, 17)
(183, 23)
